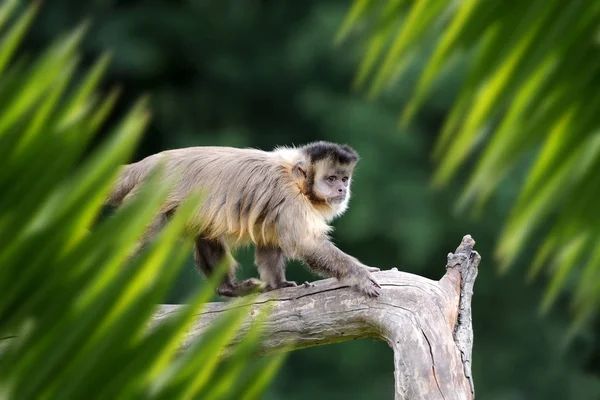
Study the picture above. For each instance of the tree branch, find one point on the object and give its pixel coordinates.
(427, 323)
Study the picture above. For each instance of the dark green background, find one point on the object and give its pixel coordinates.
(266, 73)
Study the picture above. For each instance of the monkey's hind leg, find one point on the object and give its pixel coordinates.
(271, 267)
(151, 231)
(208, 254)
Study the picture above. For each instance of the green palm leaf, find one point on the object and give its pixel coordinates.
(75, 307)
(531, 85)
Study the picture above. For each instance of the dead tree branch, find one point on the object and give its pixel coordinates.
(427, 323)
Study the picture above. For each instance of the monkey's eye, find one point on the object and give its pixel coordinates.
(332, 178)
(344, 179)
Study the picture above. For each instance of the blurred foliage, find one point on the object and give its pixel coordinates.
(73, 321)
(528, 93)
(264, 73)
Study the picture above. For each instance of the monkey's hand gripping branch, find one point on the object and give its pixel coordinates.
(427, 323)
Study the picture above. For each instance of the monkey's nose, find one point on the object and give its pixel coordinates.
(341, 190)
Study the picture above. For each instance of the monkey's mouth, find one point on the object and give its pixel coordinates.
(336, 199)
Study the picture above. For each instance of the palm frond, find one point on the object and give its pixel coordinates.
(530, 87)
(75, 308)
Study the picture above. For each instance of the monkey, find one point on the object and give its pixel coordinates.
(281, 201)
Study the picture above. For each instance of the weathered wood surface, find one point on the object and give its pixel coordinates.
(427, 323)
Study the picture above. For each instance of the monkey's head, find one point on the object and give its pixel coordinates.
(325, 172)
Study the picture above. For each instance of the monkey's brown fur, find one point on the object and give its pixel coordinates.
(281, 201)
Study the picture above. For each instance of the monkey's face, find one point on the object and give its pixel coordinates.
(332, 183)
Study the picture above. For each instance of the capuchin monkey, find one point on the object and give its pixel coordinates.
(281, 201)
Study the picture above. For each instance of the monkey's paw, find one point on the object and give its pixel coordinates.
(281, 285)
(369, 286)
(241, 288)
(288, 284)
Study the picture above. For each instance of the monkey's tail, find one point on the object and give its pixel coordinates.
(128, 179)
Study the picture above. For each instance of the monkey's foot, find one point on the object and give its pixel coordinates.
(280, 285)
(241, 288)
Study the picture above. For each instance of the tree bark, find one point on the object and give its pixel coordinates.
(427, 323)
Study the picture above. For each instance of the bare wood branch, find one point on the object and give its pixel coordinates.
(427, 323)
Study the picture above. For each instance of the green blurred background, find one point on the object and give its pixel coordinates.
(263, 73)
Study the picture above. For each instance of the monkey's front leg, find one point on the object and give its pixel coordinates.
(371, 269)
(271, 267)
(368, 268)
(327, 260)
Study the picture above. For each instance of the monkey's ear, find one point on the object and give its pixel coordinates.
(299, 170)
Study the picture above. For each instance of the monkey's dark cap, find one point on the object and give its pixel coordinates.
(341, 153)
